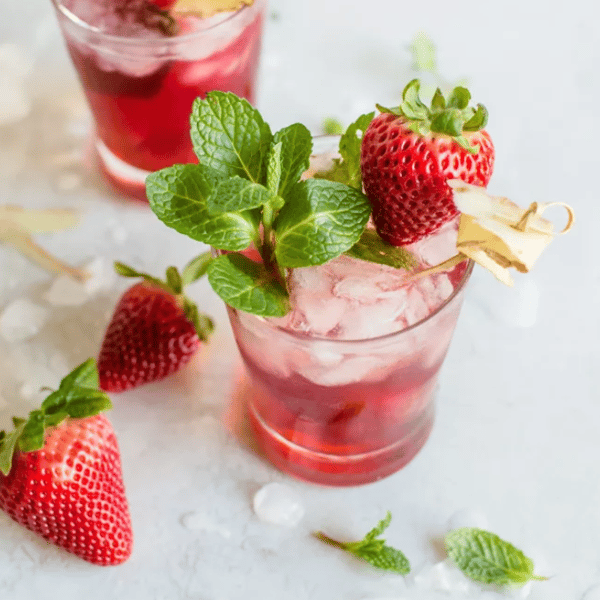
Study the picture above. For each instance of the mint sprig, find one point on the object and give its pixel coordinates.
(373, 549)
(77, 397)
(483, 556)
(247, 191)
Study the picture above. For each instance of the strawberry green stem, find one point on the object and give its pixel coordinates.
(77, 397)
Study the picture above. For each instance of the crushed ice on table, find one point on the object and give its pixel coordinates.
(22, 319)
(15, 68)
(200, 521)
(278, 504)
(443, 576)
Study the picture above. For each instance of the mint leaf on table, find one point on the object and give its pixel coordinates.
(246, 285)
(373, 549)
(485, 557)
(320, 220)
(230, 136)
(178, 197)
(372, 248)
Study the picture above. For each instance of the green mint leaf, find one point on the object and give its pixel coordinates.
(247, 286)
(274, 168)
(370, 247)
(296, 148)
(8, 445)
(230, 136)
(379, 528)
(485, 557)
(86, 374)
(320, 220)
(373, 549)
(237, 194)
(196, 268)
(177, 196)
(423, 53)
(386, 558)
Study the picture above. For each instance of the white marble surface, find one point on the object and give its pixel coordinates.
(515, 444)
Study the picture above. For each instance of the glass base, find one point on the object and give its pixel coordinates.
(334, 469)
(126, 178)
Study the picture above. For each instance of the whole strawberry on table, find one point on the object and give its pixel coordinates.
(408, 153)
(155, 328)
(60, 472)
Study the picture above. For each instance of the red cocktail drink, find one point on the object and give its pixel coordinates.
(141, 70)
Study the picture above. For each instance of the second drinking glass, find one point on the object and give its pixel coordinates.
(141, 69)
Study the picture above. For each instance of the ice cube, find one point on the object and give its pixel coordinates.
(200, 521)
(21, 320)
(444, 576)
(416, 306)
(278, 504)
(438, 247)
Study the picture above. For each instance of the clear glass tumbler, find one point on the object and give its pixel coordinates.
(140, 86)
(349, 411)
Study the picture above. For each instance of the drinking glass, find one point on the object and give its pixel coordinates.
(350, 411)
(140, 89)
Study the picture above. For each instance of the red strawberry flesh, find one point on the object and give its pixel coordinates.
(71, 492)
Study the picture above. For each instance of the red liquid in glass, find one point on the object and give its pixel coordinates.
(145, 121)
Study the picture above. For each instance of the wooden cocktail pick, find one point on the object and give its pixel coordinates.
(498, 234)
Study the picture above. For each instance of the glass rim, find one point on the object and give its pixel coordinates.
(304, 337)
(82, 26)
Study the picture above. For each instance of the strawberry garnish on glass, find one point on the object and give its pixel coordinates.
(60, 472)
(409, 153)
(155, 328)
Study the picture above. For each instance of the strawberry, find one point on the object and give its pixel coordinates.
(155, 329)
(408, 154)
(60, 472)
